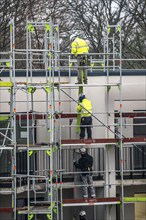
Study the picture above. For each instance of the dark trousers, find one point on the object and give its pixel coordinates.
(83, 218)
(86, 123)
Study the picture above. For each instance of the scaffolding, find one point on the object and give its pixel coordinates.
(49, 130)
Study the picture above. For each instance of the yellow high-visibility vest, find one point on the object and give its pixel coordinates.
(79, 46)
(85, 108)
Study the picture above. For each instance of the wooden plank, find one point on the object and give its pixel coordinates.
(91, 202)
(109, 199)
(43, 116)
(103, 141)
(131, 114)
(6, 210)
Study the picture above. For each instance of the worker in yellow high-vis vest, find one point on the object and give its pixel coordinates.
(80, 48)
(85, 109)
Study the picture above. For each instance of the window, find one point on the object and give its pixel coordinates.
(139, 130)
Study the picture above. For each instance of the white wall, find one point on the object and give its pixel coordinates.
(133, 95)
(133, 88)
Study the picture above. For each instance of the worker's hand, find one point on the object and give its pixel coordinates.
(74, 162)
(72, 56)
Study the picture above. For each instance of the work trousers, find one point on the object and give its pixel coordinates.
(82, 69)
(87, 181)
(83, 218)
(86, 124)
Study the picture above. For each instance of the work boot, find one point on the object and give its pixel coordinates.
(93, 196)
(85, 81)
(78, 83)
(85, 198)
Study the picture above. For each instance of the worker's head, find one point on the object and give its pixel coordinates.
(72, 37)
(82, 215)
(82, 150)
(81, 97)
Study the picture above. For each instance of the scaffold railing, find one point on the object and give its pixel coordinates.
(44, 111)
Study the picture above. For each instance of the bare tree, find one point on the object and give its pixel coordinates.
(86, 18)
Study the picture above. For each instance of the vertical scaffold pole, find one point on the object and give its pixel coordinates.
(57, 69)
(106, 150)
(121, 129)
(113, 39)
(13, 114)
(27, 120)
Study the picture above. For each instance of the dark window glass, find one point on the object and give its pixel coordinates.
(139, 130)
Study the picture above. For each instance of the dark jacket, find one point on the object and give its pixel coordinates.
(85, 163)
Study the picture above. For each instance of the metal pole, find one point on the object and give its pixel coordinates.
(27, 120)
(13, 109)
(121, 129)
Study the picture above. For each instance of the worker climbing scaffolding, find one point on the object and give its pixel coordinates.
(79, 49)
(85, 109)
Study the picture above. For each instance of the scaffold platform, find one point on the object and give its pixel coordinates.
(91, 201)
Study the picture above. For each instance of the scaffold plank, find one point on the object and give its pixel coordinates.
(131, 114)
(36, 116)
(6, 210)
(66, 115)
(6, 84)
(101, 201)
(89, 141)
(88, 85)
(30, 116)
(91, 201)
(43, 116)
(4, 118)
(34, 210)
(102, 141)
(39, 147)
(134, 140)
(7, 148)
(134, 199)
(66, 142)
